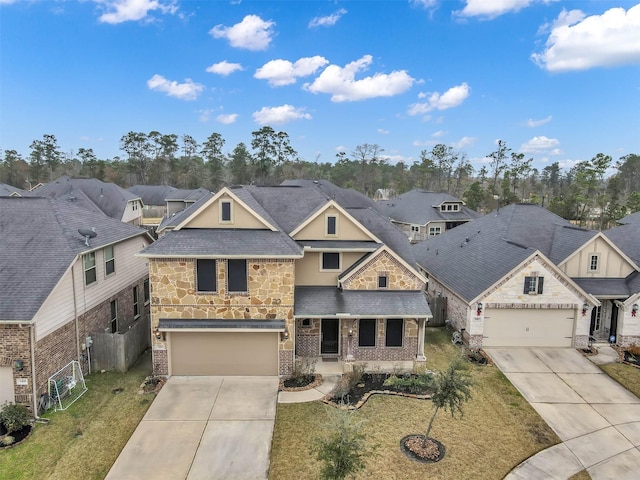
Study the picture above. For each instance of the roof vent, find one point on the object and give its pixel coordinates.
(87, 234)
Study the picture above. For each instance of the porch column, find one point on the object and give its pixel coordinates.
(350, 357)
(420, 357)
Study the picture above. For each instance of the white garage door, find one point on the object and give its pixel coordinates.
(203, 353)
(528, 328)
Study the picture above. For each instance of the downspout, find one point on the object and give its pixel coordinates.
(34, 394)
(75, 312)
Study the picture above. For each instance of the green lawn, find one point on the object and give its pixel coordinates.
(626, 375)
(83, 441)
(498, 431)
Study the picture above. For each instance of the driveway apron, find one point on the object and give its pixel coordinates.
(203, 428)
(597, 419)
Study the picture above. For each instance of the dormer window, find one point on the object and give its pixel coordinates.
(225, 211)
(594, 261)
(332, 225)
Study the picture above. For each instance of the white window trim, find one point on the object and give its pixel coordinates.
(136, 302)
(113, 259)
(597, 258)
(230, 202)
(85, 269)
(326, 225)
(383, 275)
(339, 269)
(148, 282)
(436, 231)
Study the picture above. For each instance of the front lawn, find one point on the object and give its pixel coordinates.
(626, 375)
(83, 441)
(498, 431)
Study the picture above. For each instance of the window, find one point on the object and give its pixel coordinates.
(114, 316)
(331, 261)
(433, 231)
(237, 275)
(597, 315)
(332, 225)
(383, 281)
(415, 228)
(136, 309)
(147, 291)
(443, 208)
(109, 260)
(206, 275)
(393, 336)
(367, 332)
(89, 268)
(225, 211)
(456, 207)
(306, 323)
(593, 262)
(533, 285)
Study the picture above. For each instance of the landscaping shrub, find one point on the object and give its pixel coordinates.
(303, 371)
(408, 383)
(14, 416)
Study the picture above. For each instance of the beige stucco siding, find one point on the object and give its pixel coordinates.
(308, 268)
(58, 308)
(347, 229)
(209, 217)
(610, 263)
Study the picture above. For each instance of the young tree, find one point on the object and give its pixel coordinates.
(139, 150)
(239, 165)
(214, 160)
(271, 149)
(343, 449)
(498, 163)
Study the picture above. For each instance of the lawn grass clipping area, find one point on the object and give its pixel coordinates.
(498, 431)
(83, 441)
(626, 375)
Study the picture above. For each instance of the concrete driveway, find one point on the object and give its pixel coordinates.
(203, 428)
(597, 419)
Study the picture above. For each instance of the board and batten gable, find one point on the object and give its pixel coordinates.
(209, 216)
(347, 228)
(611, 264)
(58, 309)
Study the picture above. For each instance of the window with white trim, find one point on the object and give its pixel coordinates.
(147, 291)
(90, 268)
(136, 304)
(533, 285)
(433, 231)
(330, 261)
(594, 262)
(225, 211)
(383, 281)
(109, 260)
(332, 225)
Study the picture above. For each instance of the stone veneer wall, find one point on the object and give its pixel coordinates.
(174, 295)
(399, 277)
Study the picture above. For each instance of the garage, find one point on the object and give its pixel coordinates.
(528, 328)
(223, 353)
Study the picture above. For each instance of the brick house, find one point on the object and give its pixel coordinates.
(59, 287)
(251, 277)
(522, 276)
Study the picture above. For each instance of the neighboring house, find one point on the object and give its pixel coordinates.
(421, 214)
(96, 196)
(57, 290)
(249, 278)
(523, 276)
(631, 218)
(161, 201)
(7, 190)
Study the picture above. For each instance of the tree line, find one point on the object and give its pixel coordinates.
(583, 194)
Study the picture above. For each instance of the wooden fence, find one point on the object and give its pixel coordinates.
(438, 307)
(119, 351)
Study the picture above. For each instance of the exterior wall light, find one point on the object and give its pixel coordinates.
(585, 307)
(157, 333)
(479, 308)
(284, 335)
(18, 365)
(634, 309)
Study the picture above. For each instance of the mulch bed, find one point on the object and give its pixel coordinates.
(19, 436)
(630, 359)
(151, 385)
(299, 385)
(416, 448)
(370, 384)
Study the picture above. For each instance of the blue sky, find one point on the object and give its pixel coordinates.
(556, 80)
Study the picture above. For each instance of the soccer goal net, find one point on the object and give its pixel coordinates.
(66, 386)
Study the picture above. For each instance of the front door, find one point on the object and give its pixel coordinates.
(329, 336)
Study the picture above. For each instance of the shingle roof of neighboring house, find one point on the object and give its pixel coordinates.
(38, 241)
(626, 238)
(158, 194)
(419, 207)
(89, 193)
(180, 216)
(631, 218)
(7, 190)
(224, 242)
(319, 301)
(346, 197)
(474, 256)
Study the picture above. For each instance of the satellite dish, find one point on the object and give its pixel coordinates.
(87, 234)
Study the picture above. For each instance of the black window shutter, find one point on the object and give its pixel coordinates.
(527, 284)
(540, 284)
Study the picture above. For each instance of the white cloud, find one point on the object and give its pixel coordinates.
(279, 115)
(383, 131)
(577, 42)
(328, 21)
(252, 33)
(536, 123)
(341, 83)
(283, 72)
(494, 8)
(424, 143)
(449, 99)
(118, 11)
(438, 134)
(184, 91)
(227, 118)
(224, 68)
(205, 114)
(464, 142)
(541, 144)
(424, 3)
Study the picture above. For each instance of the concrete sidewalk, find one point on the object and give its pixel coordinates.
(313, 394)
(596, 418)
(203, 428)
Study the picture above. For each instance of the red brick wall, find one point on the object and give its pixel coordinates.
(14, 345)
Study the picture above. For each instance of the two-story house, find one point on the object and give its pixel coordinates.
(249, 278)
(422, 214)
(66, 273)
(522, 276)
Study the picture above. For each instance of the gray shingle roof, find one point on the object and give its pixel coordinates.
(472, 257)
(158, 194)
(604, 286)
(419, 207)
(329, 301)
(89, 193)
(179, 217)
(224, 243)
(38, 241)
(627, 238)
(631, 218)
(7, 190)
